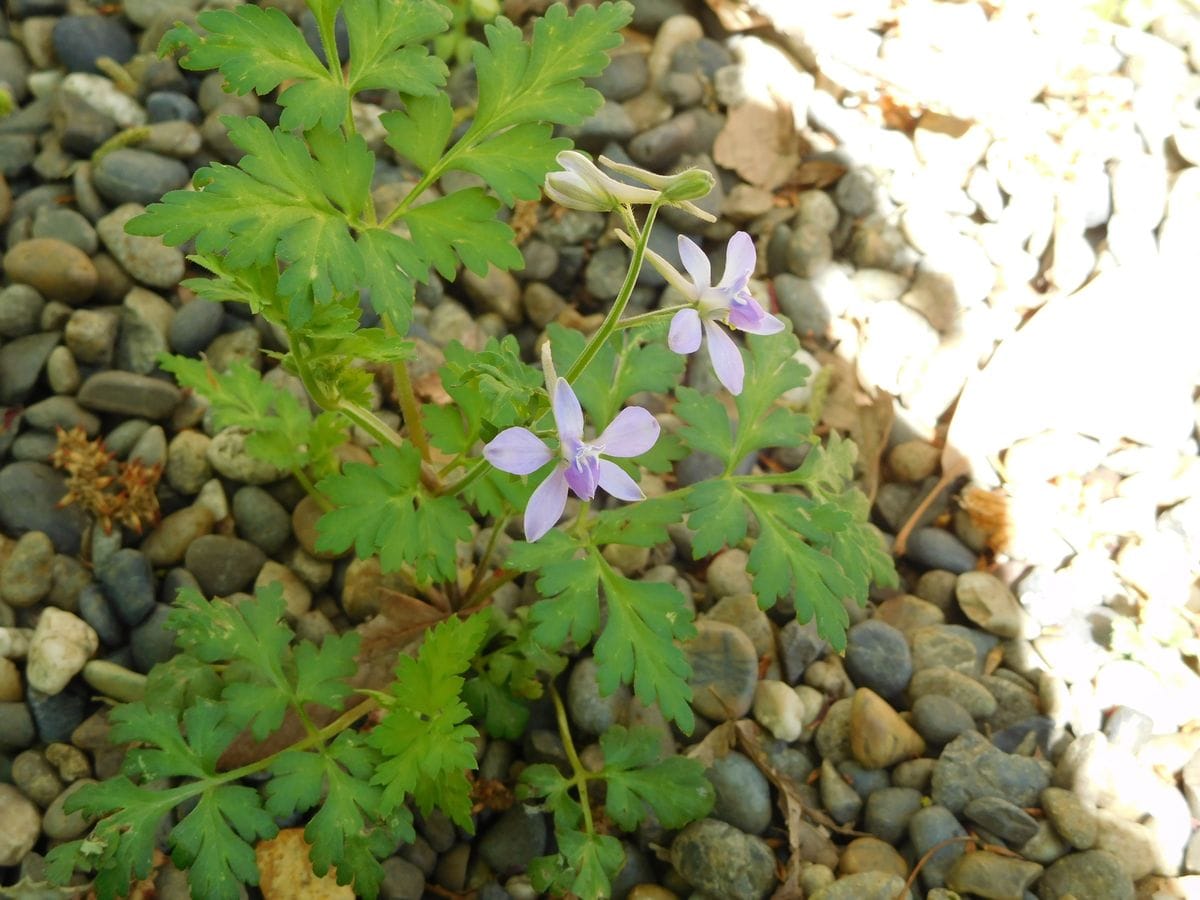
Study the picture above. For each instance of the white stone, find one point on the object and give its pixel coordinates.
(102, 95)
(14, 642)
(779, 710)
(62, 643)
(20, 825)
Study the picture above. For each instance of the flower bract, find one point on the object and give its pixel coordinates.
(581, 469)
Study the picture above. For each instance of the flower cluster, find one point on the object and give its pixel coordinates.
(518, 451)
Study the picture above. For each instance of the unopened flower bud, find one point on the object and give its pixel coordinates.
(677, 189)
(583, 186)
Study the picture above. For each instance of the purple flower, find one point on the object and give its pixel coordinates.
(728, 303)
(518, 451)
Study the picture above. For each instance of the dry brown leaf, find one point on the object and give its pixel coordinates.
(817, 173)
(867, 420)
(758, 142)
(1114, 360)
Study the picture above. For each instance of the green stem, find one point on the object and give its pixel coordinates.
(311, 489)
(481, 465)
(408, 406)
(649, 317)
(489, 587)
(481, 566)
(614, 315)
(580, 774)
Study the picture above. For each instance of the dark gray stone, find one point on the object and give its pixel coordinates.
(55, 717)
(721, 861)
(128, 581)
(939, 549)
(927, 828)
(20, 311)
(888, 811)
(742, 792)
(1094, 874)
(29, 495)
(96, 611)
(261, 519)
(877, 657)
(516, 838)
(16, 726)
(152, 642)
(625, 77)
(171, 106)
(129, 394)
(971, 767)
(939, 719)
(589, 709)
(137, 176)
(79, 41)
(1003, 819)
(223, 565)
(81, 128)
(194, 326)
(21, 362)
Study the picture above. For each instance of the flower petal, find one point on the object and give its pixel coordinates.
(517, 451)
(568, 415)
(617, 482)
(546, 505)
(631, 433)
(695, 262)
(740, 260)
(726, 358)
(684, 336)
(745, 314)
(583, 474)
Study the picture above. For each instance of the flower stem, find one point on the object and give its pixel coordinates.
(653, 316)
(311, 489)
(614, 315)
(408, 402)
(580, 774)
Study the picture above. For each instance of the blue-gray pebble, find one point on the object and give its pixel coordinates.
(877, 657)
(743, 794)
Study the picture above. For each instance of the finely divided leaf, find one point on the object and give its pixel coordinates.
(639, 644)
(462, 226)
(515, 162)
(424, 740)
(387, 45)
(419, 132)
(384, 509)
(275, 205)
(716, 516)
(772, 372)
(707, 427)
(213, 842)
(543, 80)
(257, 49)
(639, 780)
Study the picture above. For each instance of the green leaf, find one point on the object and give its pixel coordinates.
(570, 588)
(424, 740)
(390, 267)
(642, 524)
(638, 645)
(717, 516)
(463, 226)
(584, 865)
(514, 162)
(257, 49)
(772, 371)
(544, 780)
(706, 424)
(213, 842)
(419, 132)
(275, 205)
(494, 388)
(384, 509)
(639, 779)
(387, 45)
(543, 80)
(504, 715)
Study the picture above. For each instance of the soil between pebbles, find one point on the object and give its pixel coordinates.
(1046, 705)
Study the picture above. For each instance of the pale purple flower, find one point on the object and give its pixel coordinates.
(727, 303)
(519, 451)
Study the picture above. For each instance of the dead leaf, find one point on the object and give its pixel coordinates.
(1112, 361)
(816, 173)
(716, 745)
(852, 411)
(759, 143)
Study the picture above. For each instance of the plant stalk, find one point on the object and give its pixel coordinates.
(579, 773)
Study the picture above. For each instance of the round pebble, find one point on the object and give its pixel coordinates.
(878, 657)
(718, 859)
(743, 797)
(223, 565)
(55, 269)
(724, 670)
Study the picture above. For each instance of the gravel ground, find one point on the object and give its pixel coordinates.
(923, 179)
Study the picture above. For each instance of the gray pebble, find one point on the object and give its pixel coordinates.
(261, 519)
(29, 495)
(152, 642)
(888, 811)
(516, 838)
(625, 77)
(129, 394)
(939, 549)
(972, 767)
(878, 657)
(927, 828)
(27, 575)
(841, 800)
(984, 873)
(56, 716)
(128, 581)
(592, 711)
(724, 670)
(809, 250)
(1095, 874)
(939, 719)
(79, 41)
(716, 858)
(743, 796)
(16, 726)
(137, 176)
(36, 778)
(20, 310)
(21, 362)
(94, 609)
(223, 565)
(195, 326)
(401, 880)
(1003, 819)
(61, 825)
